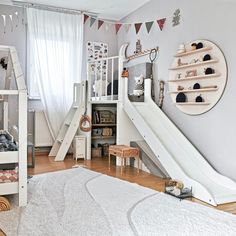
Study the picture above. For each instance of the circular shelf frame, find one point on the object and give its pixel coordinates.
(218, 80)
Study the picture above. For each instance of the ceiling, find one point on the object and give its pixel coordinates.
(106, 9)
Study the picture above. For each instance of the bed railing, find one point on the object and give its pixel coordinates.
(103, 76)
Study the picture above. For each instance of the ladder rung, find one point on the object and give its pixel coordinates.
(67, 123)
(60, 140)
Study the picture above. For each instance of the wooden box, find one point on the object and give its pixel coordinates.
(96, 152)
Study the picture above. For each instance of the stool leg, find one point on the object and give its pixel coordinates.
(138, 164)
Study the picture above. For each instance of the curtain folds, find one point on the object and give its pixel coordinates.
(55, 52)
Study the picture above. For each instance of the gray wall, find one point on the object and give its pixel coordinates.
(213, 133)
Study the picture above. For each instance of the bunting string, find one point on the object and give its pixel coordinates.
(161, 22)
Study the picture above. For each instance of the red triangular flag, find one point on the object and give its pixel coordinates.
(100, 23)
(137, 27)
(117, 26)
(161, 23)
(85, 18)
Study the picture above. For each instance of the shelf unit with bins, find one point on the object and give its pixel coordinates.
(211, 85)
(97, 140)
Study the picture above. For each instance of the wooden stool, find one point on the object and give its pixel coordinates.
(124, 152)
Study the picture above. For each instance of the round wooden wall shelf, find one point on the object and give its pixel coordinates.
(195, 72)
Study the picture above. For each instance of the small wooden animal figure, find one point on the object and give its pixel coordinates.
(191, 73)
(178, 76)
(180, 63)
(193, 46)
(179, 88)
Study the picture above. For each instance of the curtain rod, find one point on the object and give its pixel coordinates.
(48, 7)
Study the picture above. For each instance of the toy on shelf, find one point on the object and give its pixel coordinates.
(138, 89)
(180, 63)
(3, 62)
(191, 73)
(181, 48)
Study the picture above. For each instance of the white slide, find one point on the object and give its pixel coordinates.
(180, 158)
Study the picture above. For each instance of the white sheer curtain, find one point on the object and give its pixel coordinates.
(55, 51)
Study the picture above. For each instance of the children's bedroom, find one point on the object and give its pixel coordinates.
(117, 117)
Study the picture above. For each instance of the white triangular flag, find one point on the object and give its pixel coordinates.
(127, 27)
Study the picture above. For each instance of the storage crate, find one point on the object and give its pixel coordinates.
(96, 152)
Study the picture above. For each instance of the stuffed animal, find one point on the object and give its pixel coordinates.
(99, 88)
(138, 89)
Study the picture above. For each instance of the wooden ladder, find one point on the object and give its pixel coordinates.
(70, 124)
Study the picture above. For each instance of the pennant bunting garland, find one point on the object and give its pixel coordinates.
(161, 23)
(100, 23)
(137, 27)
(127, 27)
(149, 25)
(117, 27)
(92, 21)
(85, 18)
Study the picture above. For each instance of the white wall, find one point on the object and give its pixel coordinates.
(213, 133)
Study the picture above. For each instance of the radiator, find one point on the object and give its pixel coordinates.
(42, 135)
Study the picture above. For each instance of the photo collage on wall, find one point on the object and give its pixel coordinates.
(95, 51)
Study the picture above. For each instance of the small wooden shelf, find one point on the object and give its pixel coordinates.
(193, 52)
(196, 77)
(192, 103)
(194, 64)
(103, 137)
(195, 90)
(103, 125)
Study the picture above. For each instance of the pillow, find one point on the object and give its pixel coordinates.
(8, 176)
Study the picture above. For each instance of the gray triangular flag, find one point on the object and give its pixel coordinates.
(92, 21)
(149, 25)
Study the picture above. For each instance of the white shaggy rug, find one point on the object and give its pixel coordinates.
(82, 202)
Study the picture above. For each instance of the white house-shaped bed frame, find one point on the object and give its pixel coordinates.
(14, 71)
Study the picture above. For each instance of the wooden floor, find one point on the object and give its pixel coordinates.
(46, 164)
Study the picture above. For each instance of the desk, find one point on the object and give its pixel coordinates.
(124, 152)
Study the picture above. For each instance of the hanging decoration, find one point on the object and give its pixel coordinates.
(176, 18)
(92, 21)
(11, 19)
(17, 19)
(4, 23)
(161, 23)
(137, 27)
(85, 18)
(149, 25)
(117, 27)
(127, 27)
(100, 23)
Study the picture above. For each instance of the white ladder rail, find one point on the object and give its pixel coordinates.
(70, 124)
